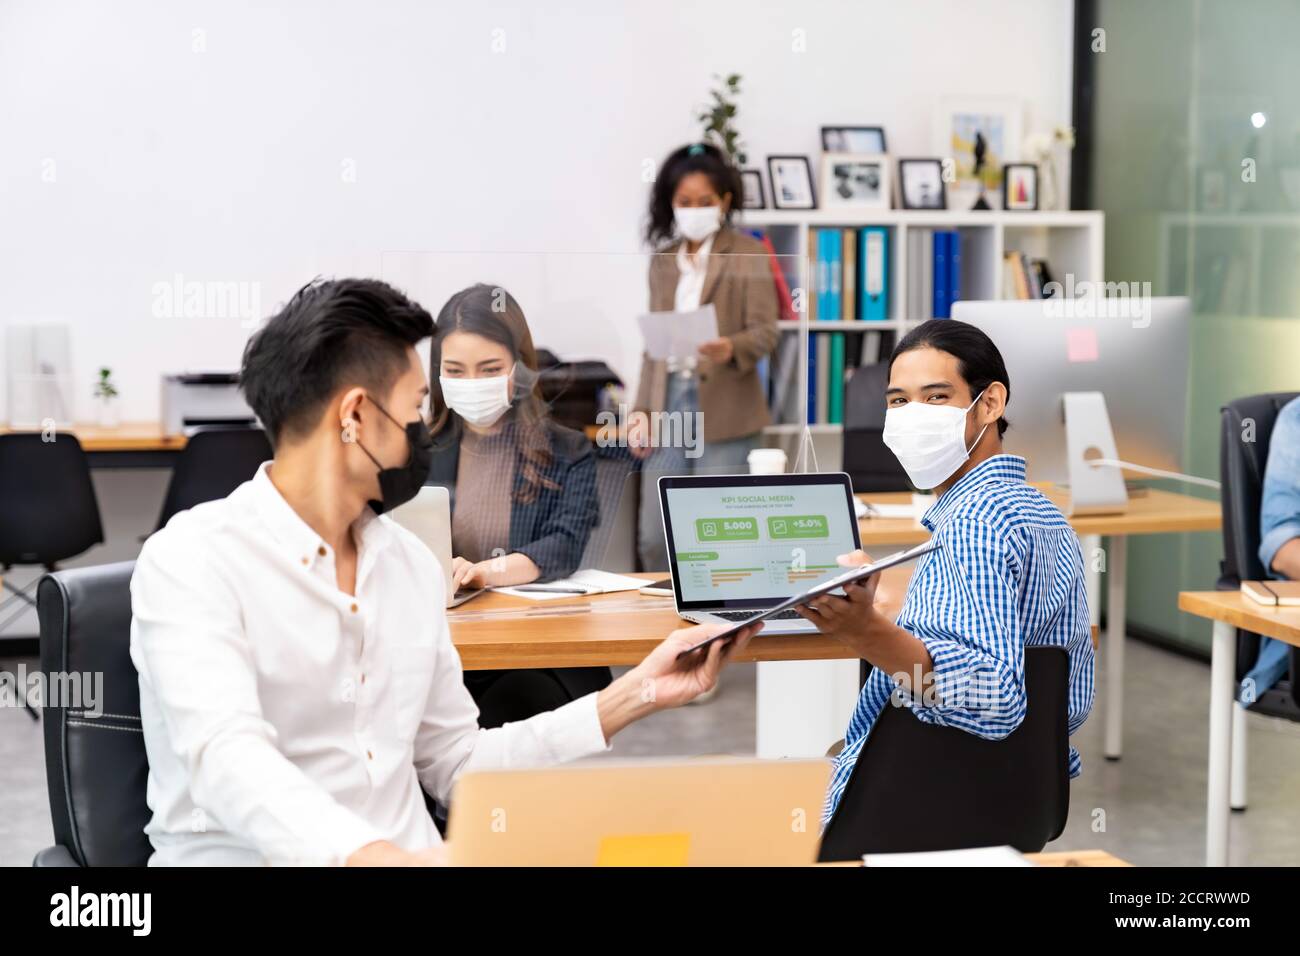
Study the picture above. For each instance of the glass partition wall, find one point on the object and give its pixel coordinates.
(1196, 164)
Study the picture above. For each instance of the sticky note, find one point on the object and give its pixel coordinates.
(1081, 344)
(644, 849)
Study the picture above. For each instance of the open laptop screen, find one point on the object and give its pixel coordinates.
(745, 541)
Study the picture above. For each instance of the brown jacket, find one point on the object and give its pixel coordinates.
(739, 283)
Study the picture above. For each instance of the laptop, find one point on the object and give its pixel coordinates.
(700, 812)
(741, 543)
(428, 517)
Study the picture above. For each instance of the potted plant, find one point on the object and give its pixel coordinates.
(106, 399)
(718, 119)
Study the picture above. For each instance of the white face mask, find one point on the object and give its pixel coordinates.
(929, 441)
(480, 401)
(697, 223)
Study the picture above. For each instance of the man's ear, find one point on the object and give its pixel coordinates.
(993, 403)
(350, 412)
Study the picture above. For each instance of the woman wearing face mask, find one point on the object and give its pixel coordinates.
(523, 489)
(1008, 574)
(702, 261)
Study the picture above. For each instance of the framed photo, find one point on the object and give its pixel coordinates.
(978, 131)
(752, 180)
(853, 139)
(1020, 187)
(921, 184)
(1214, 190)
(792, 185)
(855, 181)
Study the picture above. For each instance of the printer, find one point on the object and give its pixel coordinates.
(192, 400)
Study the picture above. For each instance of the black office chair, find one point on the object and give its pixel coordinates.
(870, 465)
(95, 767)
(215, 462)
(48, 511)
(1241, 470)
(919, 787)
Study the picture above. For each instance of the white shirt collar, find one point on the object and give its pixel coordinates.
(299, 539)
(701, 258)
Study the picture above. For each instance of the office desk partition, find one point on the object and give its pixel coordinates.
(1229, 610)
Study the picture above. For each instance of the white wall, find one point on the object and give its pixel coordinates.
(227, 164)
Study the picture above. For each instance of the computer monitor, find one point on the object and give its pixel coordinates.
(1138, 363)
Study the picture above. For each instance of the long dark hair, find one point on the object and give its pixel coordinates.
(492, 312)
(695, 158)
(978, 360)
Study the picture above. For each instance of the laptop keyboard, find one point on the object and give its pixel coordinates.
(785, 615)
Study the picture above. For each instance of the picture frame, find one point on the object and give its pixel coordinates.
(854, 139)
(921, 185)
(956, 121)
(1213, 189)
(1020, 187)
(752, 181)
(792, 184)
(856, 181)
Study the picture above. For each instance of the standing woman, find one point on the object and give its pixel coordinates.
(701, 261)
(523, 488)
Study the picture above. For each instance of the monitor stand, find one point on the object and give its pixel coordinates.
(1088, 436)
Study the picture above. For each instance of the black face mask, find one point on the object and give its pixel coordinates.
(399, 485)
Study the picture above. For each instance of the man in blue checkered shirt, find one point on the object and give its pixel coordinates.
(1008, 574)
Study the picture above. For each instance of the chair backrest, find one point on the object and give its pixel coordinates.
(214, 463)
(1245, 435)
(870, 465)
(919, 786)
(612, 545)
(48, 511)
(95, 761)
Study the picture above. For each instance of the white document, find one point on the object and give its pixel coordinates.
(678, 335)
(588, 581)
(980, 856)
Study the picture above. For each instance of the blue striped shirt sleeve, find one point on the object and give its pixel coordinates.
(973, 631)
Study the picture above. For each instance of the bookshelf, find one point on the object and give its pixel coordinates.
(1070, 241)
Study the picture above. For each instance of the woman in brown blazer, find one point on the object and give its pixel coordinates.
(718, 392)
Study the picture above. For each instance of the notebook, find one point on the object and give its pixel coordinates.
(1273, 593)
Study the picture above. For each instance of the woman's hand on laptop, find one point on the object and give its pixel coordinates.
(661, 681)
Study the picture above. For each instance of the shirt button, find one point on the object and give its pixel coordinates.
(321, 550)
(369, 755)
(354, 609)
(304, 562)
(363, 678)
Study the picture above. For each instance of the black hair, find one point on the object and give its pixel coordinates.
(694, 158)
(978, 360)
(332, 333)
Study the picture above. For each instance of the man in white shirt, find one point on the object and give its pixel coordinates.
(298, 685)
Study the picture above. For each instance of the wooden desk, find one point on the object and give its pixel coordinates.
(129, 445)
(503, 631)
(1056, 858)
(1150, 511)
(1230, 610)
(1077, 858)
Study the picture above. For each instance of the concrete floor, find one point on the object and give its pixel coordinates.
(1149, 808)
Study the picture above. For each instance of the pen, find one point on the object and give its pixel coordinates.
(549, 590)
